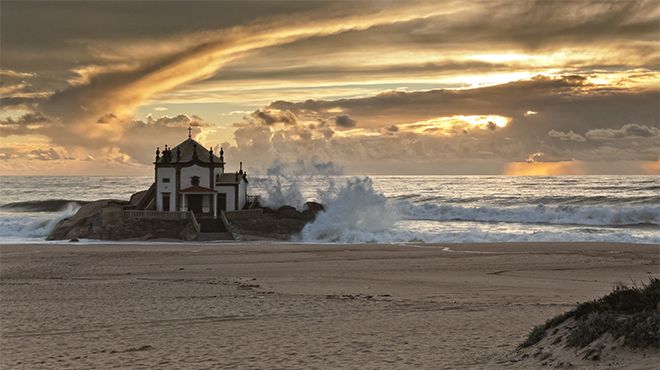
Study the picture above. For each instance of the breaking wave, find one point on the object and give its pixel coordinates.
(48, 205)
(539, 214)
(356, 213)
(352, 209)
(35, 225)
(281, 191)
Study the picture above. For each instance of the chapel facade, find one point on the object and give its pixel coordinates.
(189, 177)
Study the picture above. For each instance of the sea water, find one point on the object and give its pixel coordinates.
(391, 209)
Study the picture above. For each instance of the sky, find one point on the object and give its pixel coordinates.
(332, 87)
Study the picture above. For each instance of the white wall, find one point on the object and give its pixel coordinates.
(188, 172)
(231, 198)
(162, 187)
(217, 171)
(242, 190)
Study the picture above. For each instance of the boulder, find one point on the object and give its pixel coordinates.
(282, 223)
(106, 220)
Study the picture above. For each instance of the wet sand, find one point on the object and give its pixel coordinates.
(281, 305)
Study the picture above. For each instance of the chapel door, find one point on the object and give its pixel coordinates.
(222, 202)
(166, 202)
(195, 203)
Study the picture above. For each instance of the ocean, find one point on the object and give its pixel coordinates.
(391, 209)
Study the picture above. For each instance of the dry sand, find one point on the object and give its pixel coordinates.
(270, 305)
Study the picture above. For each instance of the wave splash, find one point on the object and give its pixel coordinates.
(35, 226)
(281, 191)
(356, 213)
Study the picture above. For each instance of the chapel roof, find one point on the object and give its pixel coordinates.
(186, 150)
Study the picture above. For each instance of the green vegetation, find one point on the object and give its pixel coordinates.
(631, 312)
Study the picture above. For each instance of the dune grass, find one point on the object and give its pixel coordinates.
(631, 312)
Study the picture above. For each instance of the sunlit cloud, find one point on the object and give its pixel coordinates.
(455, 125)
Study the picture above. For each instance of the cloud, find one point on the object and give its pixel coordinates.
(405, 71)
(345, 121)
(535, 157)
(571, 136)
(120, 88)
(25, 124)
(107, 118)
(48, 155)
(627, 131)
(272, 116)
(15, 74)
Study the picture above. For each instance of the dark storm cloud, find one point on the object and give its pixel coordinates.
(345, 121)
(271, 117)
(628, 131)
(570, 135)
(561, 102)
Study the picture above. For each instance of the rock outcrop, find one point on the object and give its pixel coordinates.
(282, 223)
(105, 220)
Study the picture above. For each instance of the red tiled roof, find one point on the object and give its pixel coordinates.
(197, 189)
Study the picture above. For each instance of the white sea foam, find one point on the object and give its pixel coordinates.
(33, 225)
(611, 215)
(356, 213)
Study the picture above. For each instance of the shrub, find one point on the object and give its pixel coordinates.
(628, 312)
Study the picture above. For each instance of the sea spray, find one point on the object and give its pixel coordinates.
(354, 212)
(281, 191)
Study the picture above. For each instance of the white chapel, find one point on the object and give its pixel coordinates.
(190, 178)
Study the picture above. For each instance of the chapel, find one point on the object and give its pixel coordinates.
(188, 177)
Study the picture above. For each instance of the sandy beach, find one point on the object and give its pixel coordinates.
(281, 305)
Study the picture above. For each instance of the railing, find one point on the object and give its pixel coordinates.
(164, 215)
(198, 228)
(252, 198)
(161, 215)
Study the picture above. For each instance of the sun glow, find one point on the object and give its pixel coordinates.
(452, 125)
(499, 121)
(544, 168)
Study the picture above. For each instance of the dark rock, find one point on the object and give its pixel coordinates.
(137, 197)
(282, 223)
(74, 240)
(106, 220)
(314, 207)
(269, 210)
(288, 212)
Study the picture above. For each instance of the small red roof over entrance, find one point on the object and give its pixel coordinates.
(197, 189)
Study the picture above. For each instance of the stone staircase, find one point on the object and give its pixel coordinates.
(214, 229)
